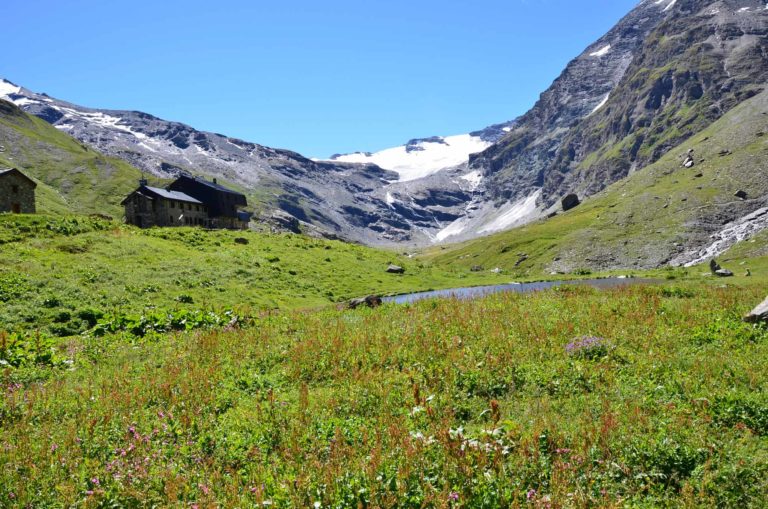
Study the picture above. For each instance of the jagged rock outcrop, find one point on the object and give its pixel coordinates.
(666, 71)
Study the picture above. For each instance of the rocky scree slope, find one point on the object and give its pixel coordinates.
(666, 71)
(663, 214)
(342, 199)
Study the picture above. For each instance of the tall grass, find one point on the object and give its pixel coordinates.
(492, 403)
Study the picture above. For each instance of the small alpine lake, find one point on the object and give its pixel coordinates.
(481, 291)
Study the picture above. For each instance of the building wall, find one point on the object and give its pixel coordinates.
(145, 212)
(16, 190)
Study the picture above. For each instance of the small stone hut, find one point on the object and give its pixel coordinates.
(17, 192)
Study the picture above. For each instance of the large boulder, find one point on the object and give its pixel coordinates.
(569, 202)
(759, 314)
(371, 301)
(717, 270)
(395, 269)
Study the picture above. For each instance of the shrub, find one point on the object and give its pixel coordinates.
(739, 409)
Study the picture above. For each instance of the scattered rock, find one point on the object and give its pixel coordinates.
(521, 260)
(372, 301)
(395, 269)
(284, 221)
(760, 134)
(748, 273)
(497, 270)
(569, 202)
(688, 161)
(741, 194)
(717, 270)
(698, 175)
(724, 153)
(241, 240)
(759, 314)
(476, 268)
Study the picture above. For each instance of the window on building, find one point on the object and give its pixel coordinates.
(15, 189)
(171, 204)
(170, 219)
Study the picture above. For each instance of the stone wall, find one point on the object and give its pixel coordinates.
(17, 194)
(145, 212)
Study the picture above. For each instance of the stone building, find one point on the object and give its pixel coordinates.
(17, 192)
(189, 201)
(222, 202)
(152, 206)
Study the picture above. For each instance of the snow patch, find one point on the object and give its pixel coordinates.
(102, 119)
(417, 164)
(602, 103)
(145, 146)
(7, 88)
(513, 213)
(452, 229)
(601, 51)
(390, 199)
(509, 129)
(474, 178)
(743, 9)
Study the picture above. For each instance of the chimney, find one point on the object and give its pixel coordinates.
(143, 181)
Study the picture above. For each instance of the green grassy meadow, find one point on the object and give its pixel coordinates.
(59, 275)
(648, 396)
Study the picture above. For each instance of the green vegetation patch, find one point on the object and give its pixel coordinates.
(641, 397)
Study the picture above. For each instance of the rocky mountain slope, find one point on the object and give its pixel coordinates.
(345, 200)
(663, 214)
(71, 177)
(666, 71)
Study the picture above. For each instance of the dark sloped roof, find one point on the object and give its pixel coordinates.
(8, 171)
(171, 195)
(162, 193)
(213, 185)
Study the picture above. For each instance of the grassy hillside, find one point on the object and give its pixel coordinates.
(495, 403)
(647, 218)
(71, 177)
(56, 272)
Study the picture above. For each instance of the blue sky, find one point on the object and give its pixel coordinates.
(316, 77)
